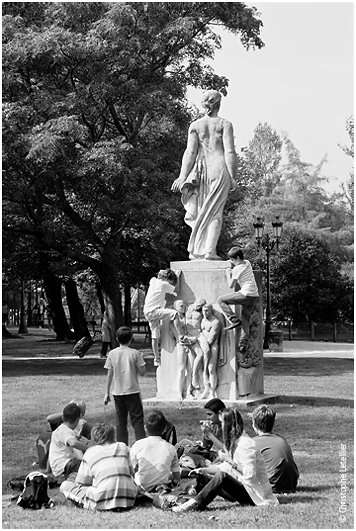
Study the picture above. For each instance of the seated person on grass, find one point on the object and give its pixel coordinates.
(155, 460)
(105, 476)
(282, 471)
(82, 430)
(65, 451)
(213, 407)
(240, 477)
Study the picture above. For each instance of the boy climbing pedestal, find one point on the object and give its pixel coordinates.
(247, 297)
(155, 311)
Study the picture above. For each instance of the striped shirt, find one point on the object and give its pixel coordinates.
(107, 469)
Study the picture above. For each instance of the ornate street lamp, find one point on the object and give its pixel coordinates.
(268, 244)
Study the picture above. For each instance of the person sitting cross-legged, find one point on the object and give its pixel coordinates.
(282, 471)
(242, 475)
(105, 476)
(155, 460)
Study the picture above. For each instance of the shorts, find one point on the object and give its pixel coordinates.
(155, 317)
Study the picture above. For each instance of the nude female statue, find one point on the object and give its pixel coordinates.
(208, 174)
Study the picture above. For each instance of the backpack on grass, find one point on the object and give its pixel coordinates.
(82, 346)
(34, 494)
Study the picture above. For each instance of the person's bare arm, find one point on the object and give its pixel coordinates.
(108, 386)
(141, 370)
(188, 160)
(230, 153)
(231, 281)
(209, 435)
(77, 444)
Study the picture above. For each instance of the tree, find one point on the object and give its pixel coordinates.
(307, 281)
(348, 187)
(95, 122)
(262, 157)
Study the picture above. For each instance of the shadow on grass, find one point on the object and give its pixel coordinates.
(60, 366)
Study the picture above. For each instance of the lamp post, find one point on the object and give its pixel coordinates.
(268, 245)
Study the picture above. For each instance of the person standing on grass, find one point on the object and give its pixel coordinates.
(106, 339)
(242, 475)
(282, 471)
(154, 308)
(124, 365)
(105, 476)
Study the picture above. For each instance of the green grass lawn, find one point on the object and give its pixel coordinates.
(314, 412)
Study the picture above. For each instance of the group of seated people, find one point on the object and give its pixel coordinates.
(102, 474)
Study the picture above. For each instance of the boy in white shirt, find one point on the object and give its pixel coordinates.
(155, 460)
(154, 308)
(247, 296)
(62, 457)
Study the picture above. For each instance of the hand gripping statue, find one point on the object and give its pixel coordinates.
(208, 174)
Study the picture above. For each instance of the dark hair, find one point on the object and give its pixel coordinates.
(263, 417)
(232, 426)
(168, 275)
(155, 422)
(71, 413)
(102, 433)
(236, 252)
(124, 335)
(215, 405)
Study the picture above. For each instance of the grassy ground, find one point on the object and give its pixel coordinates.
(315, 413)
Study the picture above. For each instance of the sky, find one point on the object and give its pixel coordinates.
(301, 82)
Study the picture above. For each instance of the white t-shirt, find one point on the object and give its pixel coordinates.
(125, 361)
(155, 297)
(254, 475)
(59, 452)
(155, 458)
(243, 274)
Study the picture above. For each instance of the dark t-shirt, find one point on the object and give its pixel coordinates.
(282, 471)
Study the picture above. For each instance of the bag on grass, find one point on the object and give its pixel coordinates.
(166, 498)
(34, 494)
(82, 346)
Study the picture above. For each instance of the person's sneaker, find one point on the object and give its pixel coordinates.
(156, 363)
(234, 324)
(190, 505)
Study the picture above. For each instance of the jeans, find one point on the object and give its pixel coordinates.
(132, 404)
(247, 304)
(224, 485)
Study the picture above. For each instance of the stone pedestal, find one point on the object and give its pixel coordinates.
(240, 376)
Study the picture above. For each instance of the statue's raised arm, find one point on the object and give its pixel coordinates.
(208, 173)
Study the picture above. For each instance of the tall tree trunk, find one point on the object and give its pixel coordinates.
(23, 321)
(100, 297)
(128, 316)
(111, 290)
(52, 286)
(76, 310)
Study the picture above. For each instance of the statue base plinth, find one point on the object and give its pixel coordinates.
(239, 376)
(242, 402)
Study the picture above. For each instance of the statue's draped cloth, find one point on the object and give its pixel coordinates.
(204, 193)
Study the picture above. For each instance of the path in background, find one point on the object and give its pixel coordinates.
(291, 349)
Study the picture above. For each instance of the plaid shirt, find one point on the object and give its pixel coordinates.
(107, 470)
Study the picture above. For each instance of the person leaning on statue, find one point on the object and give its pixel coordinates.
(208, 174)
